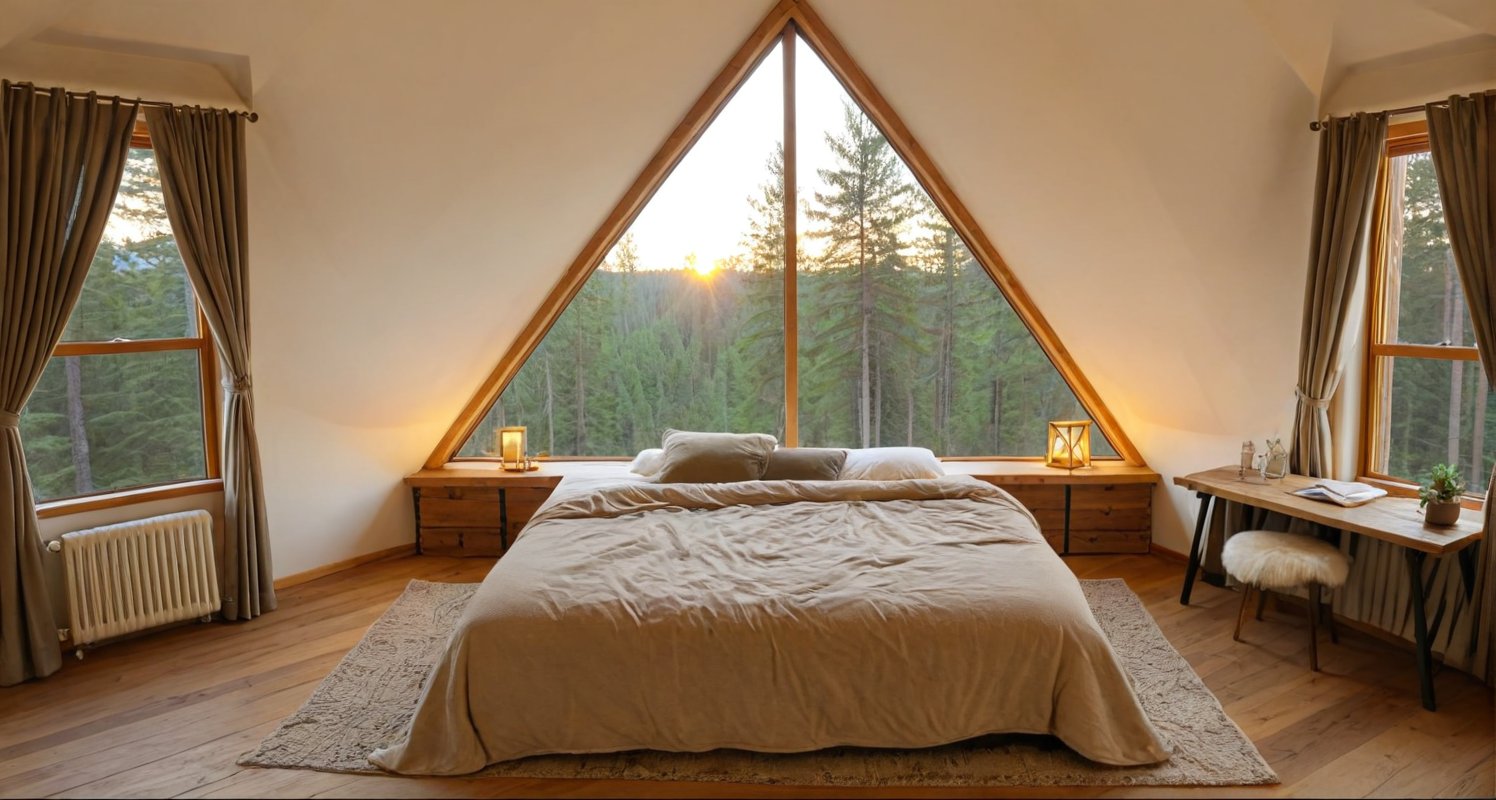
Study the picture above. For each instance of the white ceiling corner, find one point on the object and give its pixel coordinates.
(1303, 33)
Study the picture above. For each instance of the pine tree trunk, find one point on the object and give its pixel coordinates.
(865, 399)
(945, 377)
(909, 413)
(1478, 433)
(997, 415)
(1454, 323)
(877, 414)
(82, 466)
(580, 382)
(550, 408)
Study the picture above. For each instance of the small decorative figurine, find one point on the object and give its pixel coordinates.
(1275, 460)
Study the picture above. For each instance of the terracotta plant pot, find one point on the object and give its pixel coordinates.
(1442, 514)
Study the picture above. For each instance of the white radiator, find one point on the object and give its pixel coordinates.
(137, 575)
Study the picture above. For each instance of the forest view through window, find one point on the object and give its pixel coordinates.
(1430, 400)
(903, 337)
(120, 404)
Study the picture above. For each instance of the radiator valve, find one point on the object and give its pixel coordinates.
(55, 546)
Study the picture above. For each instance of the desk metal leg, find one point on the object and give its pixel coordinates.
(1420, 628)
(1195, 545)
(1467, 569)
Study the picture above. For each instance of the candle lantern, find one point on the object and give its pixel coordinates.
(512, 449)
(1069, 444)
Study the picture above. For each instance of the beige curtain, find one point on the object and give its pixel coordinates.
(60, 165)
(1462, 139)
(200, 153)
(1350, 150)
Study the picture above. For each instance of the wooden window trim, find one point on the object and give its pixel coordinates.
(783, 22)
(207, 361)
(127, 497)
(1402, 139)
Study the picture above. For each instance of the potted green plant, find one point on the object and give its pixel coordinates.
(1441, 495)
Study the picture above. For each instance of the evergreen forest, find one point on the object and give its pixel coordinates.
(1438, 411)
(903, 337)
(102, 422)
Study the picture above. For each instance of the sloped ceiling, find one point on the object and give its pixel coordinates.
(423, 171)
(1325, 40)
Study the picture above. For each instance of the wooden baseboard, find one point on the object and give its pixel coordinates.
(1163, 552)
(347, 563)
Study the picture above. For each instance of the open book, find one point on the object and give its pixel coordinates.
(1345, 493)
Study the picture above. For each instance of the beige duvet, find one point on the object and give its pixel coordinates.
(774, 616)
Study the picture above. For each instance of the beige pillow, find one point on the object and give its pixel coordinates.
(805, 464)
(692, 457)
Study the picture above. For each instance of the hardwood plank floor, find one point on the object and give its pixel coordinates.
(166, 715)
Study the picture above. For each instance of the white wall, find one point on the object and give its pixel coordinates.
(419, 180)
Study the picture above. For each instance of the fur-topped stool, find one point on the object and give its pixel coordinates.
(1270, 561)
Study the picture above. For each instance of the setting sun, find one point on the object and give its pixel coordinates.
(703, 269)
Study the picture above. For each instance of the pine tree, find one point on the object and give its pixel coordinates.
(863, 299)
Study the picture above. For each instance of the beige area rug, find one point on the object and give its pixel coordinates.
(366, 701)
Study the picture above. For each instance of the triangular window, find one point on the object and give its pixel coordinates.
(900, 335)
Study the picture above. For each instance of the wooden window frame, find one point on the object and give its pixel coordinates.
(207, 360)
(782, 24)
(1402, 139)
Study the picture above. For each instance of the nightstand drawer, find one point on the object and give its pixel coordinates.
(480, 521)
(458, 507)
(466, 542)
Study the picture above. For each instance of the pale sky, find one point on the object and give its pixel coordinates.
(702, 208)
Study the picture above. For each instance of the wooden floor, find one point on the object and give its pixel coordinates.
(167, 714)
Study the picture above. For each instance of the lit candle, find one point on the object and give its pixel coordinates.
(512, 448)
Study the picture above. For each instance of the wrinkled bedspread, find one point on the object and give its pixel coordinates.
(774, 616)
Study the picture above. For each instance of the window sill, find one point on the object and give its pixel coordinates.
(1473, 501)
(127, 497)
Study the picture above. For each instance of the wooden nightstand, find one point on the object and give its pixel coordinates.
(476, 509)
(1104, 508)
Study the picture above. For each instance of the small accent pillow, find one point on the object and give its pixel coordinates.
(805, 464)
(648, 463)
(890, 464)
(692, 457)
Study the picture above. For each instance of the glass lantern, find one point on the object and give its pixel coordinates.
(1069, 444)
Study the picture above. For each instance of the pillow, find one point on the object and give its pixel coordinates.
(890, 464)
(692, 457)
(648, 462)
(805, 464)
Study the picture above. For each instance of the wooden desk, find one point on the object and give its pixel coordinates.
(1397, 520)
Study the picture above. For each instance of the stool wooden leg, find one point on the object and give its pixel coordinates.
(1241, 616)
(1261, 602)
(1314, 627)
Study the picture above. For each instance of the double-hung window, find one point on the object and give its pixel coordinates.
(128, 399)
(1427, 398)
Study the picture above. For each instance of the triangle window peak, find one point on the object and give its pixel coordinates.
(789, 262)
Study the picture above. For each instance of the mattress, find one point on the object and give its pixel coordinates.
(773, 616)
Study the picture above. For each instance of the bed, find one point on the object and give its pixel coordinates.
(775, 616)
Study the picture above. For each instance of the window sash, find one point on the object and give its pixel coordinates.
(207, 360)
(1402, 140)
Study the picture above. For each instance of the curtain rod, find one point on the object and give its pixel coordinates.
(251, 116)
(1391, 112)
